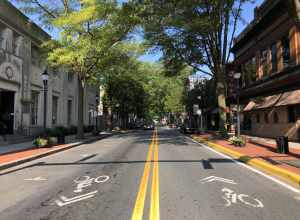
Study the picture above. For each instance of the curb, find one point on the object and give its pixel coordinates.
(295, 178)
(37, 156)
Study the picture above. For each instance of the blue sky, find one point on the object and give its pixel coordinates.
(247, 15)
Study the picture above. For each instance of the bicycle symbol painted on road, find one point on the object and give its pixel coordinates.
(86, 181)
(232, 198)
(82, 182)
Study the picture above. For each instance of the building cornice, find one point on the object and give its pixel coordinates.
(21, 24)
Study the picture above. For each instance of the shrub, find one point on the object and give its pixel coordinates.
(52, 140)
(88, 128)
(40, 142)
(71, 130)
(58, 131)
(237, 141)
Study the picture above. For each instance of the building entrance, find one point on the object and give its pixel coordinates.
(7, 100)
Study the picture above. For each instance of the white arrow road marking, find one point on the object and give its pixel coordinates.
(215, 178)
(77, 197)
(66, 201)
(59, 203)
(36, 179)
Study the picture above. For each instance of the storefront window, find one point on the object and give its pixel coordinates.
(266, 118)
(275, 118)
(257, 118)
(291, 114)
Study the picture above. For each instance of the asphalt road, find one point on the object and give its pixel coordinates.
(110, 179)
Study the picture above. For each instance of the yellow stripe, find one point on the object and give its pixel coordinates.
(154, 207)
(140, 200)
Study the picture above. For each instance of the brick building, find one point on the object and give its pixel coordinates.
(267, 53)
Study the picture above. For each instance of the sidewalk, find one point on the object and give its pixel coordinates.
(16, 154)
(255, 153)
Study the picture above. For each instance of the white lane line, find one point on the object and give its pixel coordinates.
(250, 168)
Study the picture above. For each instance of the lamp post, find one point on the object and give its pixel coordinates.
(45, 78)
(237, 76)
(97, 105)
(117, 111)
(199, 113)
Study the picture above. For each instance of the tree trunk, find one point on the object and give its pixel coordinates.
(109, 119)
(220, 92)
(81, 86)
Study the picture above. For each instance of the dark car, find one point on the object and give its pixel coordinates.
(187, 130)
(149, 126)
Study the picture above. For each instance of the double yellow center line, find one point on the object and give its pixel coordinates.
(141, 196)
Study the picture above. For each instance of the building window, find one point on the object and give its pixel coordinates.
(274, 57)
(266, 118)
(257, 118)
(69, 112)
(90, 117)
(291, 114)
(54, 109)
(285, 41)
(70, 77)
(275, 118)
(264, 62)
(34, 107)
(249, 70)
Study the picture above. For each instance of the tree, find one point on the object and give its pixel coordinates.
(90, 33)
(194, 33)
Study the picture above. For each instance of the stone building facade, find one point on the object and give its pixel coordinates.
(21, 85)
(267, 53)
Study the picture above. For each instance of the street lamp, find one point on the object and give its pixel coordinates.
(199, 113)
(97, 105)
(237, 76)
(45, 78)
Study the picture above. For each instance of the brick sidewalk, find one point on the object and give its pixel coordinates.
(15, 158)
(266, 152)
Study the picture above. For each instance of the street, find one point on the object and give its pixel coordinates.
(111, 179)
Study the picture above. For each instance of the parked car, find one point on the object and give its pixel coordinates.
(187, 130)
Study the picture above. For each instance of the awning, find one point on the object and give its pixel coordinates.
(286, 98)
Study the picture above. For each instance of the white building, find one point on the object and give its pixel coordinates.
(21, 86)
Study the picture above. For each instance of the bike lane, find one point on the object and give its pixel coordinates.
(197, 183)
(97, 181)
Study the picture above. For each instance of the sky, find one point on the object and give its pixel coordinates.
(247, 15)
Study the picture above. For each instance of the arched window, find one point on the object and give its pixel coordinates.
(257, 118)
(266, 118)
(275, 118)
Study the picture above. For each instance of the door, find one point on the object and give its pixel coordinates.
(7, 100)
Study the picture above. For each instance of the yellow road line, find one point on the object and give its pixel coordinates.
(140, 200)
(154, 207)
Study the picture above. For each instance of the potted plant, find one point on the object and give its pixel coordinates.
(40, 142)
(234, 140)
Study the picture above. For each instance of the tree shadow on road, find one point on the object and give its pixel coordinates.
(205, 163)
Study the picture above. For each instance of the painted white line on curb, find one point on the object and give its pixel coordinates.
(248, 167)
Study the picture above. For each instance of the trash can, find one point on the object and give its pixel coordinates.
(282, 144)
